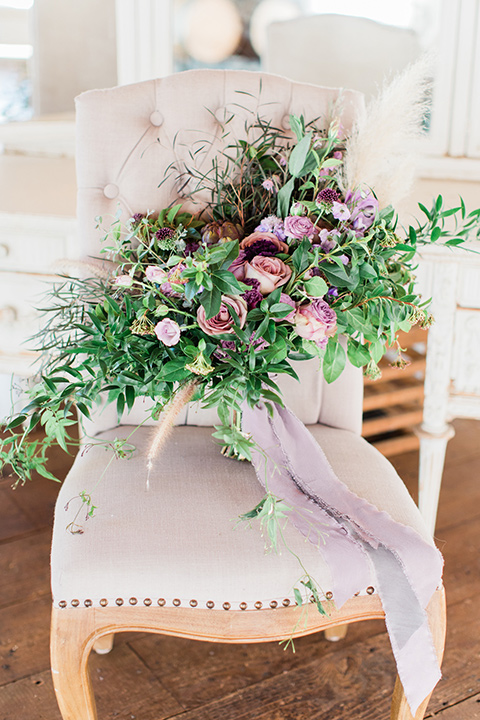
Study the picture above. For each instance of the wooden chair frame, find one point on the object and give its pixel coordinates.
(75, 631)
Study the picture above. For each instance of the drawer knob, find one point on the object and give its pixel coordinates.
(8, 314)
(4, 250)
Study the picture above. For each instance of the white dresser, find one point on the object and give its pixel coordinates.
(452, 377)
(37, 228)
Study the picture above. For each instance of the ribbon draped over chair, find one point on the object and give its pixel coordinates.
(354, 537)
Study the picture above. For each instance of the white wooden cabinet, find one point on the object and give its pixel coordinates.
(452, 376)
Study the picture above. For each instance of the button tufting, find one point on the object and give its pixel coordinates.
(111, 191)
(156, 118)
(286, 122)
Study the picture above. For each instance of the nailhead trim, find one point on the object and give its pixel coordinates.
(273, 604)
(258, 605)
(104, 602)
(62, 604)
(88, 603)
(370, 590)
(286, 602)
(193, 603)
(75, 603)
(176, 602)
(243, 606)
(161, 602)
(147, 602)
(119, 601)
(329, 595)
(210, 604)
(133, 601)
(226, 606)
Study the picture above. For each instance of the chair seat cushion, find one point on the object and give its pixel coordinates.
(178, 542)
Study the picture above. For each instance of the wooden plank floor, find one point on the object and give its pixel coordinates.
(150, 677)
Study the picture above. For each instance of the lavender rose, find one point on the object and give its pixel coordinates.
(298, 227)
(271, 272)
(222, 323)
(168, 332)
(316, 321)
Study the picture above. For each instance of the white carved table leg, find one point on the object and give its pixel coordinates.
(432, 458)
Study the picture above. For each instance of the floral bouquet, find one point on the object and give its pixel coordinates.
(284, 260)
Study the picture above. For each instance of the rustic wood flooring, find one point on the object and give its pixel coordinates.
(152, 677)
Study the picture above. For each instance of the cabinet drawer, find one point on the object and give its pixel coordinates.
(32, 243)
(20, 295)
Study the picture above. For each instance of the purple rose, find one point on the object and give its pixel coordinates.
(298, 227)
(168, 332)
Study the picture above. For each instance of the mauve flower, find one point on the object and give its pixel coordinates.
(338, 155)
(252, 297)
(222, 323)
(316, 321)
(364, 208)
(299, 227)
(271, 272)
(332, 291)
(237, 267)
(328, 239)
(327, 196)
(168, 332)
(155, 274)
(284, 298)
(340, 211)
(260, 247)
(255, 236)
(272, 224)
(123, 281)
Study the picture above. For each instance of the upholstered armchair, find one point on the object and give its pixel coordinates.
(169, 558)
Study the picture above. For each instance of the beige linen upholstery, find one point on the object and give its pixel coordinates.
(179, 540)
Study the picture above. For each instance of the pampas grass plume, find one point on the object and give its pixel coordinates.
(382, 149)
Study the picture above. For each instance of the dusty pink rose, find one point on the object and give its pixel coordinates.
(271, 272)
(222, 323)
(298, 226)
(288, 301)
(255, 236)
(168, 332)
(123, 281)
(155, 274)
(316, 321)
(238, 266)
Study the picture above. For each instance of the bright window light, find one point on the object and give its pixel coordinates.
(17, 4)
(399, 14)
(15, 52)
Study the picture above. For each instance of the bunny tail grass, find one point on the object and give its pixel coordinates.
(381, 151)
(84, 268)
(181, 398)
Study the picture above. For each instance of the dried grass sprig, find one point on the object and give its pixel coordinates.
(79, 268)
(382, 149)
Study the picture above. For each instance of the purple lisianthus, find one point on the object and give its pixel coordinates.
(168, 332)
(299, 227)
(340, 211)
(252, 297)
(272, 224)
(332, 291)
(364, 208)
(328, 239)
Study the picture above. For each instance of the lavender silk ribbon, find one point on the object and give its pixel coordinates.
(356, 538)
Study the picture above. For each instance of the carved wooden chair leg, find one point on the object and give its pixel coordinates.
(72, 637)
(334, 634)
(104, 644)
(437, 616)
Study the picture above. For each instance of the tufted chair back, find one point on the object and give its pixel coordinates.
(133, 145)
